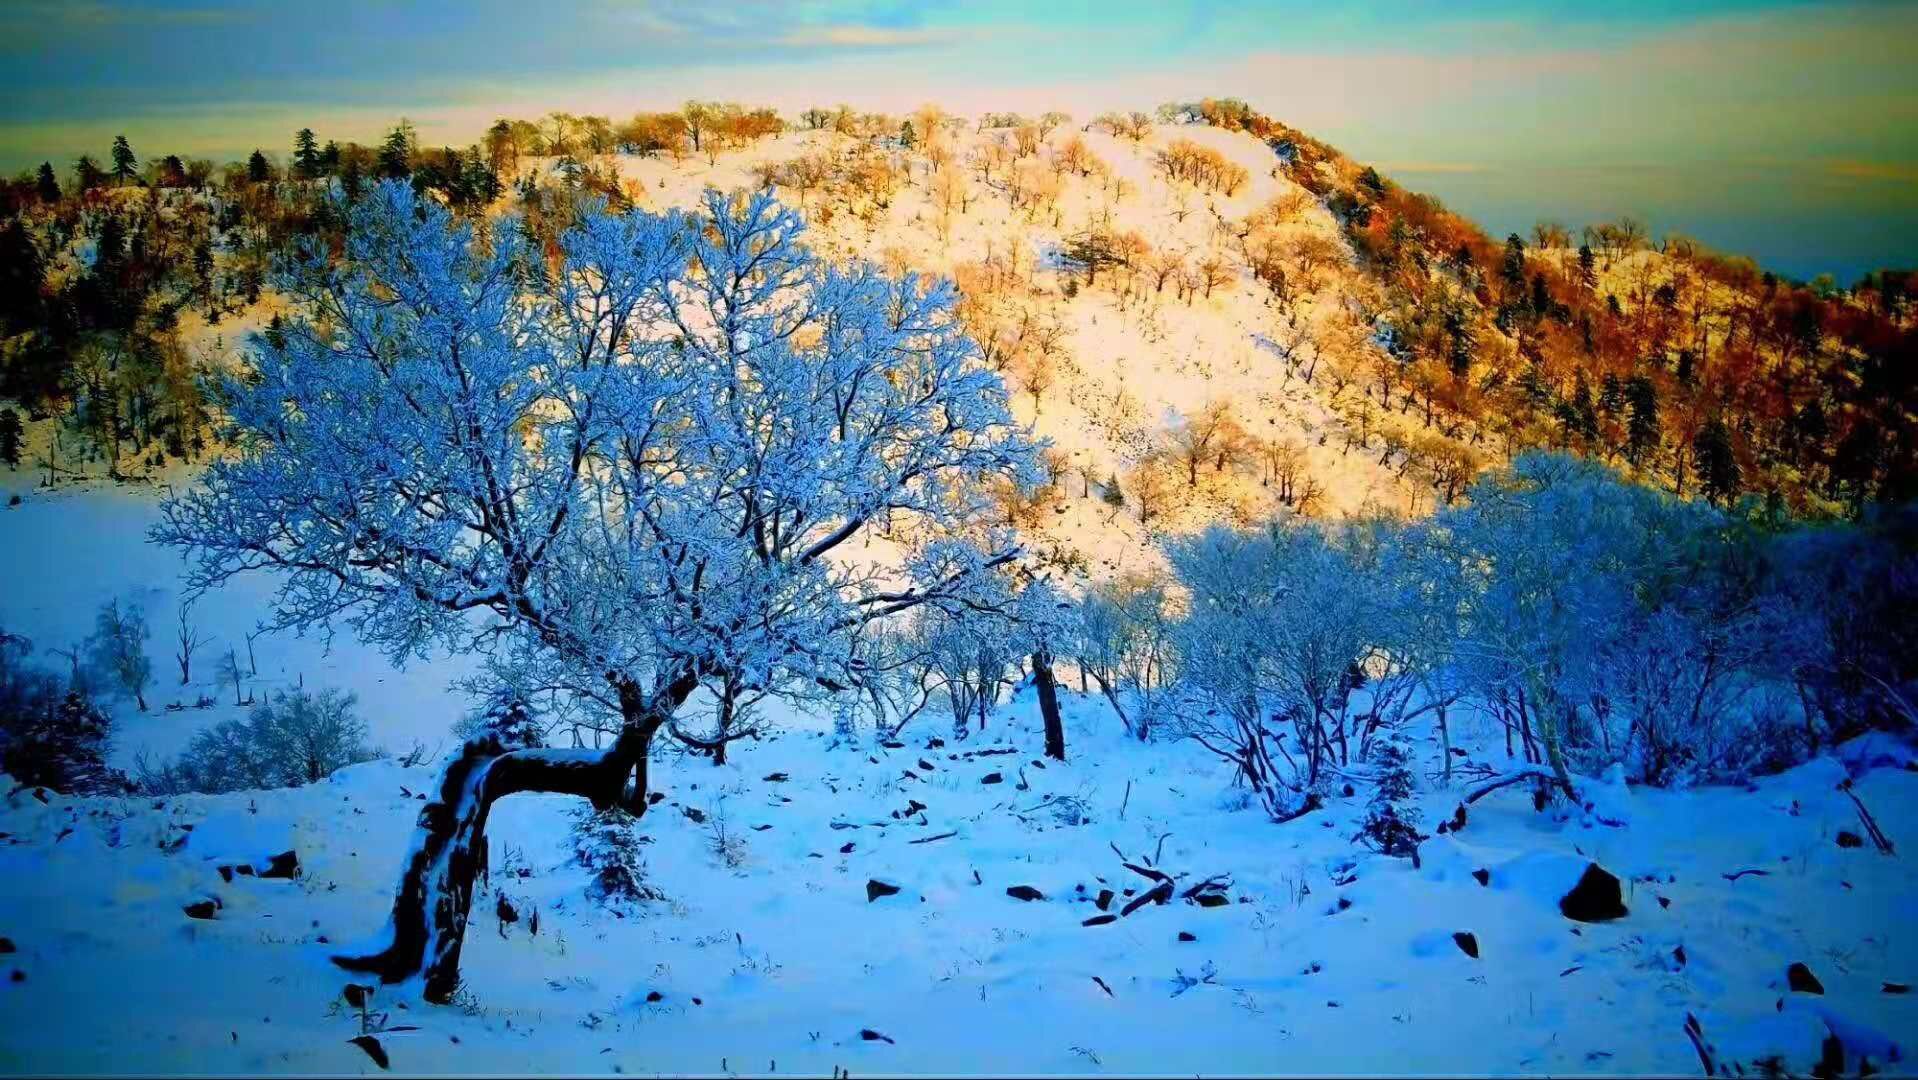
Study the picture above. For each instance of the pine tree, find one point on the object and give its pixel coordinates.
(306, 154)
(396, 153)
(257, 168)
(1513, 268)
(1641, 427)
(87, 174)
(1587, 266)
(10, 432)
(1391, 823)
(47, 185)
(330, 157)
(907, 138)
(124, 163)
(1112, 495)
(1716, 464)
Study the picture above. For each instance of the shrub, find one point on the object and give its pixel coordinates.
(49, 737)
(294, 738)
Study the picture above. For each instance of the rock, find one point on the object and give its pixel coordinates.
(373, 1049)
(7, 946)
(1664, 901)
(357, 994)
(925, 765)
(777, 778)
(1484, 877)
(1025, 892)
(876, 889)
(1802, 980)
(696, 815)
(1184, 936)
(1596, 897)
(654, 996)
(1467, 943)
(870, 1035)
(893, 744)
(1211, 900)
(284, 865)
(846, 848)
(1105, 900)
(1100, 920)
(18, 976)
(1849, 839)
(1896, 988)
(1678, 955)
(202, 909)
(992, 778)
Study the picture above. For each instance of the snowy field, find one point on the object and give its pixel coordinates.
(770, 953)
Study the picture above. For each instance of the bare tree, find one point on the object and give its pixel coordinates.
(188, 639)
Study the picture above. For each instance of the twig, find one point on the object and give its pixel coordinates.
(1742, 873)
(1878, 836)
(1124, 801)
(930, 839)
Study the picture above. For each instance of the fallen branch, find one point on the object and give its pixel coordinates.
(1742, 873)
(1877, 835)
(1529, 772)
(1696, 1034)
(930, 839)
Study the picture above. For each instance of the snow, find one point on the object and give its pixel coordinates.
(777, 964)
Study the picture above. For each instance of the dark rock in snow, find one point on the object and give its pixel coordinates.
(1596, 897)
(357, 994)
(373, 1049)
(7, 946)
(693, 813)
(1025, 892)
(992, 778)
(1802, 980)
(1104, 900)
(1484, 877)
(1664, 901)
(926, 765)
(1849, 839)
(1211, 900)
(777, 778)
(1896, 988)
(870, 1035)
(876, 889)
(1467, 943)
(18, 976)
(1100, 920)
(284, 865)
(202, 909)
(846, 848)
(1185, 936)
(654, 996)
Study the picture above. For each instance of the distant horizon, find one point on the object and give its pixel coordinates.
(1783, 130)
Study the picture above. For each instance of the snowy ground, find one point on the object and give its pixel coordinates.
(1326, 959)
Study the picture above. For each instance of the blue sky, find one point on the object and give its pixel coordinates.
(1788, 130)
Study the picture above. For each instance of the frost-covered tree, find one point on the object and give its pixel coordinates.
(618, 474)
(117, 649)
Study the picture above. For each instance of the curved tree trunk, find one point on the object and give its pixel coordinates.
(435, 897)
(1049, 704)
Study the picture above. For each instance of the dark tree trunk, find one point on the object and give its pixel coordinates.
(435, 895)
(1049, 705)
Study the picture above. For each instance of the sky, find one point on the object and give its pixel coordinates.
(1782, 129)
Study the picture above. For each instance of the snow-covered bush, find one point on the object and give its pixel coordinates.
(294, 738)
(49, 736)
(1122, 638)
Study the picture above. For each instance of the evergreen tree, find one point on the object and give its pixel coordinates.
(396, 153)
(47, 185)
(22, 279)
(1642, 426)
(87, 174)
(11, 431)
(257, 168)
(1458, 335)
(124, 163)
(1391, 822)
(1587, 266)
(1611, 397)
(1372, 182)
(907, 138)
(330, 157)
(1512, 270)
(306, 154)
(1717, 466)
(1112, 495)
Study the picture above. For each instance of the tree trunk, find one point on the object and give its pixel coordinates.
(435, 896)
(1049, 705)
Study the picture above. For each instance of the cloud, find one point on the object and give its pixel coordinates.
(866, 37)
(1892, 172)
